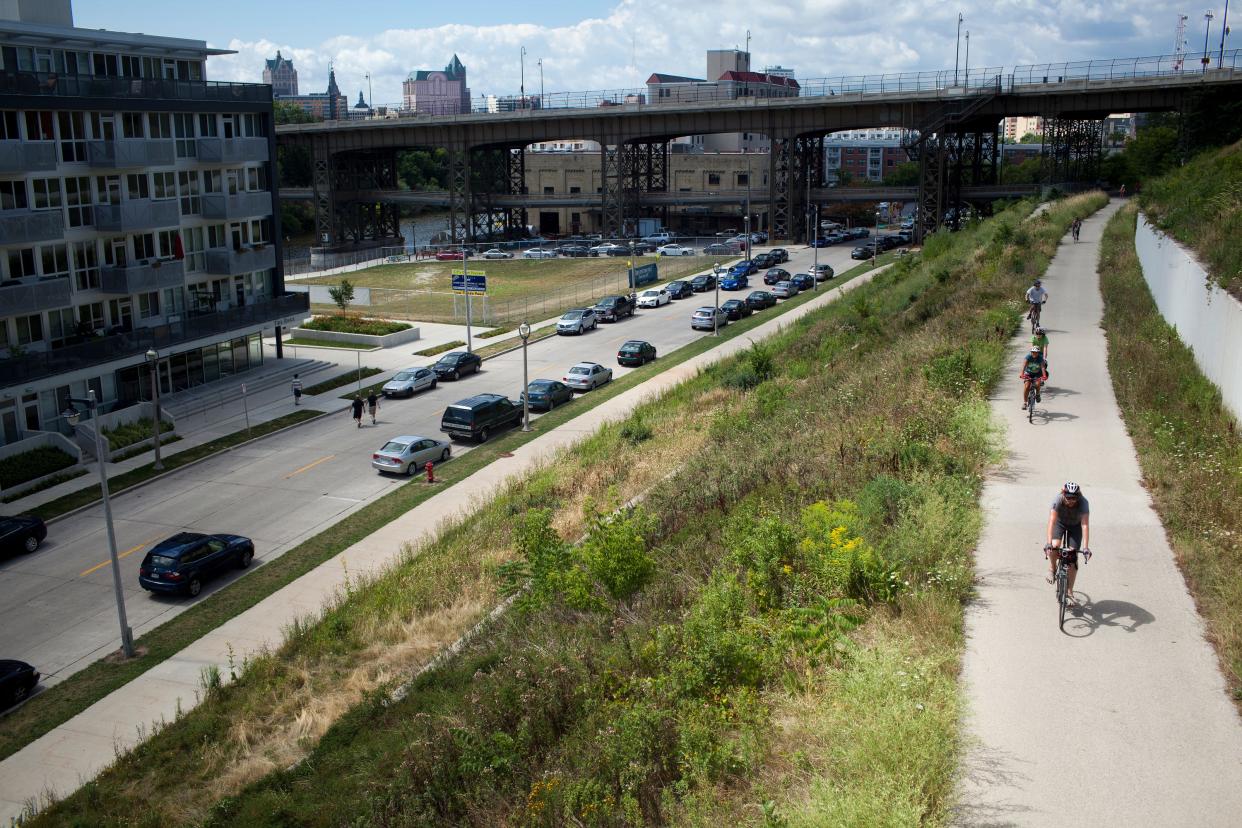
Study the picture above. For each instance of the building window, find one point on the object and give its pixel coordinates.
(72, 137)
(195, 252)
(174, 300)
(55, 259)
(148, 304)
(103, 126)
(549, 190)
(61, 325)
(183, 127)
(165, 185)
(743, 179)
(713, 179)
(212, 182)
(29, 329)
(191, 198)
(39, 126)
(47, 194)
(167, 243)
(21, 263)
(86, 264)
(160, 125)
(133, 125)
(78, 198)
(109, 189)
(13, 195)
(144, 246)
(208, 126)
(91, 316)
(575, 189)
(8, 126)
(217, 235)
(258, 231)
(137, 185)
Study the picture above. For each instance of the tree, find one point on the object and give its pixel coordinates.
(905, 174)
(1031, 138)
(287, 112)
(342, 295)
(423, 169)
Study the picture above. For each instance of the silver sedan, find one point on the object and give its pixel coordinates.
(539, 253)
(409, 454)
(496, 253)
(409, 382)
(587, 376)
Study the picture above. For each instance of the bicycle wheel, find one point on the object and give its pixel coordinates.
(1062, 594)
(1030, 405)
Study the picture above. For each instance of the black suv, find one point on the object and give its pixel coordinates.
(680, 289)
(477, 417)
(184, 561)
(779, 254)
(612, 308)
(457, 364)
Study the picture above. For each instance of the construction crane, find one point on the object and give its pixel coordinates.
(1179, 43)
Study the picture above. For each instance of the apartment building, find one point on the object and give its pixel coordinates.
(869, 160)
(138, 211)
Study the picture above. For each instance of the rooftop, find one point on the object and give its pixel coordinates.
(35, 34)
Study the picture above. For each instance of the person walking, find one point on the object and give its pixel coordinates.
(372, 405)
(297, 390)
(356, 407)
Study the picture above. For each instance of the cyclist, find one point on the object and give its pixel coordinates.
(1035, 297)
(1076, 228)
(1034, 370)
(1040, 338)
(1069, 517)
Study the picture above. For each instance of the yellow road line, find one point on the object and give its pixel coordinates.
(309, 466)
(129, 551)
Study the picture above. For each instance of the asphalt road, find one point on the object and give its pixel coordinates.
(57, 609)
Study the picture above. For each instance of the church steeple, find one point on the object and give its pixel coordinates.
(334, 92)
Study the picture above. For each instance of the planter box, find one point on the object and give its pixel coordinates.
(391, 340)
(38, 440)
(85, 429)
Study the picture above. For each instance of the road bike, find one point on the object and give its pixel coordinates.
(1064, 554)
(1031, 395)
(1033, 315)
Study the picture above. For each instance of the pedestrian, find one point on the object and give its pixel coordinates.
(1123, 190)
(356, 406)
(297, 390)
(372, 405)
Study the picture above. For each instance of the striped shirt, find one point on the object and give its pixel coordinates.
(297, 386)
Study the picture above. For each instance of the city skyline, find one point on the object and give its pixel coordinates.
(609, 45)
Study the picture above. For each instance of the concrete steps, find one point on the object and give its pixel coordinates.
(194, 401)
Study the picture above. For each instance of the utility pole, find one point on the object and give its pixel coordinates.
(1224, 30)
(967, 72)
(522, 96)
(1207, 31)
(541, 104)
(958, 53)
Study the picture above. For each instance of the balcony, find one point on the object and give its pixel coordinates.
(19, 297)
(124, 153)
(29, 226)
(236, 262)
(142, 277)
(89, 86)
(283, 310)
(19, 157)
(138, 214)
(232, 150)
(237, 206)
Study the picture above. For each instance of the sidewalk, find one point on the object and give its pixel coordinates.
(79, 749)
(1123, 718)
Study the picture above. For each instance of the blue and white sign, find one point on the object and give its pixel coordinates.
(645, 275)
(469, 283)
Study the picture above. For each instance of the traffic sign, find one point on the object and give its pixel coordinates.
(469, 283)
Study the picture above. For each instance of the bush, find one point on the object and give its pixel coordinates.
(33, 464)
(636, 429)
(126, 434)
(355, 325)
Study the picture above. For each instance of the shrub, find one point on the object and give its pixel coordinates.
(355, 325)
(636, 430)
(342, 295)
(33, 464)
(845, 564)
(126, 434)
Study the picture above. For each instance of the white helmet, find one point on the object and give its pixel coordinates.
(1070, 488)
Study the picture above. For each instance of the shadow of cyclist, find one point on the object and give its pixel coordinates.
(1090, 615)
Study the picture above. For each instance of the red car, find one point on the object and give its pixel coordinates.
(449, 256)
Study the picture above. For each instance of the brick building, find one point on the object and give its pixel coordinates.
(443, 92)
(279, 72)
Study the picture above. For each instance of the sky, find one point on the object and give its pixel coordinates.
(614, 44)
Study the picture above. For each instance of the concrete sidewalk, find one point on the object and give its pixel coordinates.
(1123, 717)
(79, 749)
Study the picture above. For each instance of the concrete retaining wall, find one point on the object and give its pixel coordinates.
(85, 429)
(319, 294)
(39, 439)
(391, 340)
(1207, 318)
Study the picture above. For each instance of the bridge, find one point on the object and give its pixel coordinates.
(953, 120)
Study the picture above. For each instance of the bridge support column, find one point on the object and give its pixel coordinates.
(1073, 150)
(325, 200)
(515, 217)
(618, 171)
(360, 219)
(459, 192)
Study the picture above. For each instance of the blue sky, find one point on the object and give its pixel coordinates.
(614, 44)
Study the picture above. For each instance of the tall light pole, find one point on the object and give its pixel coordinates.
(815, 247)
(1224, 30)
(465, 276)
(967, 72)
(958, 51)
(1207, 31)
(716, 315)
(875, 243)
(524, 332)
(746, 230)
(632, 246)
(541, 83)
(153, 359)
(72, 416)
(522, 97)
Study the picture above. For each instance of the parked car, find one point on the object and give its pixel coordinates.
(785, 290)
(746, 266)
(587, 376)
(496, 253)
(613, 308)
(763, 260)
(654, 298)
(576, 251)
(607, 248)
(703, 282)
(185, 561)
(836, 238)
(478, 417)
(907, 224)
(408, 382)
(709, 319)
(734, 281)
(760, 236)
(865, 251)
(410, 454)
(760, 299)
(641, 247)
(675, 250)
(721, 249)
(774, 275)
(539, 253)
(736, 309)
(456, 364)
(20, 534)
(450, 256)
(17, 679)
(779, 254)
(636, 352)
(663, 237)
(803, 281)
(860, 233)
(577, 321)
(679, 289)
(546, 394)
(822, 272)
(821, 241)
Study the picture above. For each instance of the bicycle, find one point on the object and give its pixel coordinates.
(1061, 579)
(1031, 394)
(1033, 315)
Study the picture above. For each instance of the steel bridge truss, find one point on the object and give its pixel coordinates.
(1073, 149)
(342, 214)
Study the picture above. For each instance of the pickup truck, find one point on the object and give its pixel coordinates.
(613, 308)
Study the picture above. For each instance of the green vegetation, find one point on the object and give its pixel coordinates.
(355, 325)
(516, 342)
(120, 482)
(1200, 205)
(126, 434)
(783, 641)
(1187, 441)
(54, 480)
(33, 464)
(342, 294)
(503, 329)
(324, 343)
(439, 349)
(137, 450)
(349, 377)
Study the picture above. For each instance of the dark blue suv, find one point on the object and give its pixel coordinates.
(183, 562)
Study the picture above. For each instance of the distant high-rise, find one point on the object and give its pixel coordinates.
(279, 72)
(331, 105)
(438, 92)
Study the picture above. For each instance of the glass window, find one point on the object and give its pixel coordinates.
(256, 350)
(109, 189)
(91, 316)
(211, 364)
(241, 355)
(144, 246)
(86, 264)
(174, 300)
(148, 304)
(72, 136)
(217, 235)
(208, 127)
(165, 185)
(78, 197)
(8, 126)
(195, 251)
(21, 263)
(212, 181)
(55, 259)
(137, 185)
(191, 198)
(167, 241)
(39, 126)
(160, 125)
(183, 129)
(29, 329)
(47, 193)
(62, 325)
(133, 125)
(224, 353)
(194, 367)
(13, 195)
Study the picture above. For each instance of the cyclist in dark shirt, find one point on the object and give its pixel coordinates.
(1069, 516)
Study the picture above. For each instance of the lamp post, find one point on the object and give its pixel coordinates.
(815, 247)
(1224, 30)
(632, 264)
(72, 416)
(1207, 31)
(370, 98)
(524, 332)
(958, 51)
(746, 230)
(153, 359)
(716, 315)
(875, 243)
(522, 97)
(465, 275)
(967, 72)
(541, 84)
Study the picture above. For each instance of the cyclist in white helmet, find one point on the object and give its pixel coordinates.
(1069, 516)
(1036, 296)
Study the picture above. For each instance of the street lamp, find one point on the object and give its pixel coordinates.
(815, 247)
(522, 98)
(72, 416)
(541, 106)
(716, 315)
(632, 247)
(967, 72)
(875, 243)
(1207, 31)
(958, 52)
(153, 359)
(524, 332)
(1224, 30)
(746, 228)
(370, 98)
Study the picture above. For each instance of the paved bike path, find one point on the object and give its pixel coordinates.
(1123, 718)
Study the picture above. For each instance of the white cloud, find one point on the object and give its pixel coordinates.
(818, 38)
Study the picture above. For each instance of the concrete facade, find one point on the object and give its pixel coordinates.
(444, 92)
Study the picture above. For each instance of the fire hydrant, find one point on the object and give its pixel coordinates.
(431, 471)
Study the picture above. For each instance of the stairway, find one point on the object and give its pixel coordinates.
(226, 391)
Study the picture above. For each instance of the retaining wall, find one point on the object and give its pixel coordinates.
(391, 340)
